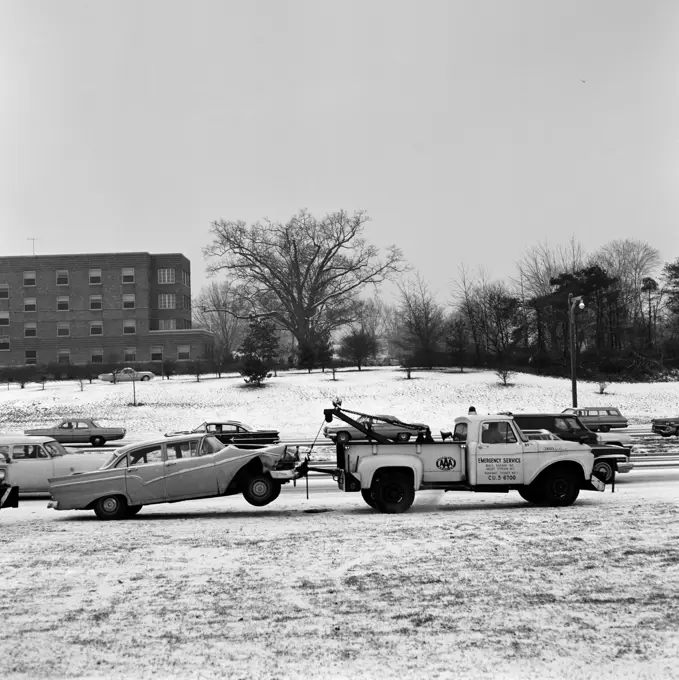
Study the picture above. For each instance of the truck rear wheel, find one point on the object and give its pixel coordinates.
(604, 470)
(560, 488)
(260, 490)
(394, 492)
(343, 437)
(369, 497)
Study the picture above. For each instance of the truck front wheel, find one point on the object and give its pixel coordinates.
(369, 497)
(394, 492)
(560, 488)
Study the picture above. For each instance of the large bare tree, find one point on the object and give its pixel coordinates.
(306, 273)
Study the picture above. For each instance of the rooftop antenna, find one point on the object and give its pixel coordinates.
(30, 238)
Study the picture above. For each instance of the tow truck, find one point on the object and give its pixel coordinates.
(488, 453)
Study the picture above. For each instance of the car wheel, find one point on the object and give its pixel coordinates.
(604, 470)
(132, 510)
(676, 431)
(532, 494)
(394, 492)
(403, 436)
(604, 428)
(343, 437)
(146, 377)
(97, 441)
(560, 488)
(369, 497)
(111, 507)
(261, 490)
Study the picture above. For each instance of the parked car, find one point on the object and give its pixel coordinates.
(172, 469)
(666, 427)
(30, 461)
(233, 432)
(126, 374)
(79, 431)
(599, 418)
(343, 432)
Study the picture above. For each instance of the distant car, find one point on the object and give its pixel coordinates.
(343, 432)
(79, 431)
(173, 469)
(30, 461)
(599, 418)
(233, 432)
(666, 427)
(126, 374)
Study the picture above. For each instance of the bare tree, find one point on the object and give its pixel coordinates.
(210, 311)
(307, 273)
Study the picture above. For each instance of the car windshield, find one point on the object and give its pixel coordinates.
(55, 448)
(200, 428)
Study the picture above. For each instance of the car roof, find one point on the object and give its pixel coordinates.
(542, 415)
(24, 439)
(174, 439)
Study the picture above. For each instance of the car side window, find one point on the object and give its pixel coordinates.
(212, 427)
(82, 426)
(147, 455)
(67, 425)
(613, 412)
(229, 428)
(182, 450)
(561, 424)
(205, 447)
(26, 452)
(4, 453)
(122, 462)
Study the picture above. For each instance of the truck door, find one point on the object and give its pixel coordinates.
(499, 454)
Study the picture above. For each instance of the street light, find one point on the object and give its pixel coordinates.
(572, 302)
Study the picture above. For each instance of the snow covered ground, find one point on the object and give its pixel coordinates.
(463, 585)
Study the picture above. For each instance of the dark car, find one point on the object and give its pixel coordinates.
(234, 432)
(599, 418)
(609, 458)
(666, 427)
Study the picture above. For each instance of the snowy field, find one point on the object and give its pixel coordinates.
(462, 586)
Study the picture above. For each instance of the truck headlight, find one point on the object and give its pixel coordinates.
(3, 475)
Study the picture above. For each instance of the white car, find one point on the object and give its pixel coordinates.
(126, 374)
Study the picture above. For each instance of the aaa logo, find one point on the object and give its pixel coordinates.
(445, 463)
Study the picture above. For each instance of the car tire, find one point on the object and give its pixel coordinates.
(676, 432)
(369, 497)
(393, 492)
(260, 490)
(532, 494)
(343, 437)
(604, 428)
(559, 488)
(111, 507)
(145, 377)
(132, 510)
(403, 437)
(97, 441)
(604, 470)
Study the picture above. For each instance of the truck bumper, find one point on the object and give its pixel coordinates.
(594, 484)
(9, 496)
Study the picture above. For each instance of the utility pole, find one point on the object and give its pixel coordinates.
(572, 302)
(30, 238)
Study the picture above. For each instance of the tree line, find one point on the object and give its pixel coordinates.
(295, 294)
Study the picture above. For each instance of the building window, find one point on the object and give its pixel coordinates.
(167, 324)
(31, 330)
(129, 301)
(64, 356)
(166, 276)
(187, 323)
(97, 355)
(4, 291)
(183, 352)
(4, 343)
(63, 329)
(156, 353)
(31, 357)
(95, 276)
(128, 274)
(187, 301)
(95, 302)
(129, 327)
(62, 303)
(130, 354)
(166, 301)
(29, 278)
(4, 318)
(186, 278)
(96, 327)
(30, 305)
(62, 277)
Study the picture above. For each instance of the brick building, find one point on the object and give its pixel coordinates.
(98, 308)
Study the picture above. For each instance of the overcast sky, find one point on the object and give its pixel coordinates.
(468, 129)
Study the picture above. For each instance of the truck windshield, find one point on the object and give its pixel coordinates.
(54, 449)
